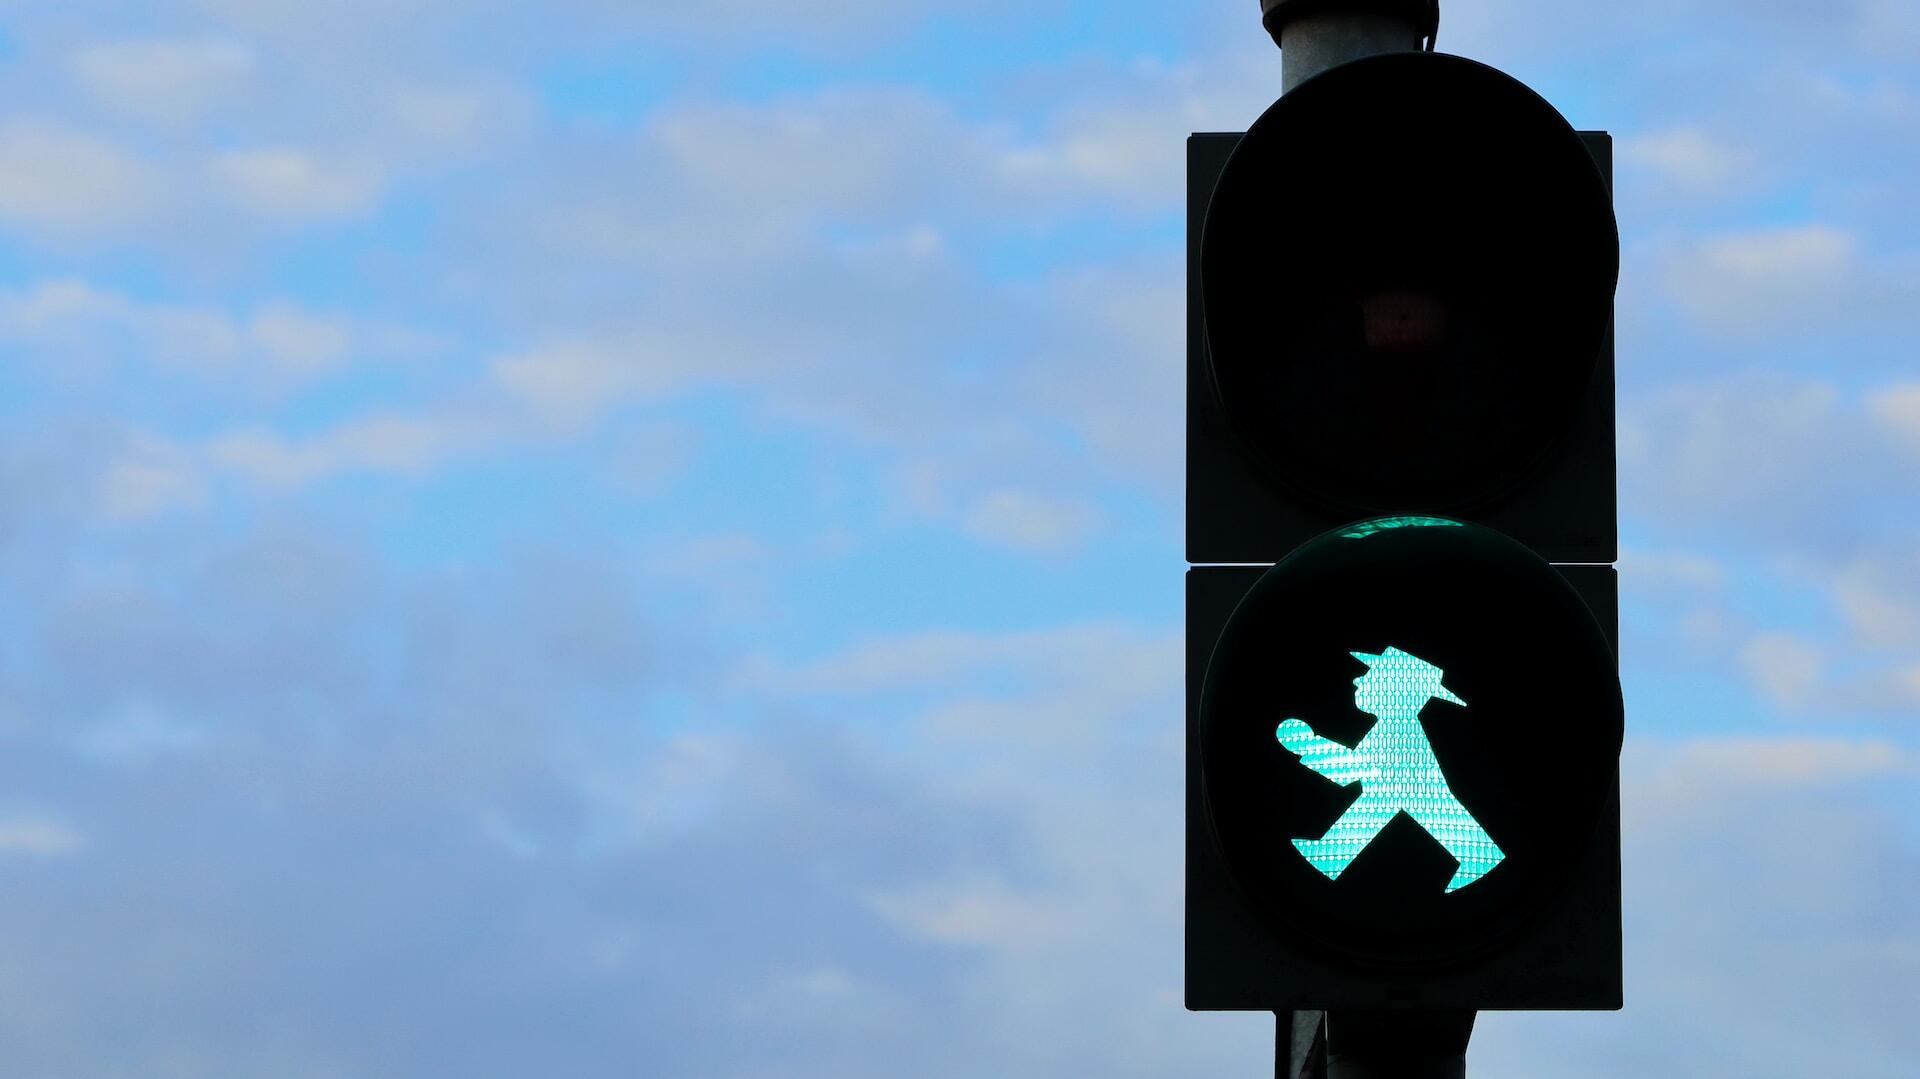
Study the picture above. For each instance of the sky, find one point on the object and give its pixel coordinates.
(596, 538)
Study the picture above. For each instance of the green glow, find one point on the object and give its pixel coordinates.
(1395, 764)
(1385, 524)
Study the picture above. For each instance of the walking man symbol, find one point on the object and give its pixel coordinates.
(1398, 773)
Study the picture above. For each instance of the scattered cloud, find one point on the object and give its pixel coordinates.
(61, 181)
(1029, 521)
(832, 27)
(1122, 152)
(1787, 667)
(1752, 868)
(1686, 158)
(1759, 282)
(165, 81)
(932, 659)
(151, 477)
(576, 382)
(1024, 697)
(1898, 408)
(37, 836)
(1878, 594)
(463, 116)
(394, 443)
(277, 345)
(293, 739)
(138, 733)
(982, 913)
(1661, 574)
(1753, 765)
(1763, 458)
(295, 184)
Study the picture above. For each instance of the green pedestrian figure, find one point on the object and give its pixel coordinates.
(1398, 773)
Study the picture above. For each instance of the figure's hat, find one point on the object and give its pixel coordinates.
(1408, 665)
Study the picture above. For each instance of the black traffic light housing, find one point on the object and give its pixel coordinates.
(1264, 932)
(1400, 302)
(1400, 285)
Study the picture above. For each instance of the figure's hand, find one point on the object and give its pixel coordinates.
(1297, 737)
(1324, 755)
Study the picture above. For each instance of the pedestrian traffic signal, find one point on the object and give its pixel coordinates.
(1407, 736)
(1404, 713)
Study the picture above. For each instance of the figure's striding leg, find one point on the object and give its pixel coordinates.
(1347, 837)
(1447, 821)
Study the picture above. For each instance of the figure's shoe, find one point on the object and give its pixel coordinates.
(1473, 869)
(1326, 855)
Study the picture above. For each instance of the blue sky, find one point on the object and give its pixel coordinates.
(593, 538)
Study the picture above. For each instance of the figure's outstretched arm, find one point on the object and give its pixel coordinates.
(1324, 755)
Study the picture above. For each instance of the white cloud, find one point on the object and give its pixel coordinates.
(139, 732)
(150, 477)
(811, 255)
(1824, 630)
(296, 184)
(1124, 153)
(1806, 489)
(813, 997)
(1115, 370)
(1759, 764)
(57, 301)
(982, 912)
(1878, 595)
(1659, 574)
(684, 783)
(170, 81)
(1759, 875)
(392, 443)
(1865, 661)
(276, 345)
(831, 26)
(459, 115)
(574, 382)
(1713, 838)
(842, 299)
(1897, 407)
(1687, 157)
(298, 341)
(1890, 27)
(646, 459)
(1736, 452)
(1760, 282)
(935, 658)
(1031, 521)
(1786, 667)
(713, 185)
(1797, 254)
(37, 836)
(1031, 695)
(921, 242)
(838, 151)
(885, 344)
(57, 180)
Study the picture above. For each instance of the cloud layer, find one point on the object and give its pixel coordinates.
(609, 539)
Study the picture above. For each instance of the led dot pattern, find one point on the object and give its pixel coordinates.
(1388, 524)
(1397, 770)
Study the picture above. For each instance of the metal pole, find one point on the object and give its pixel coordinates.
(1313, 43)
(1398, 1044)
(1299, 1045)
(1315, 35)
